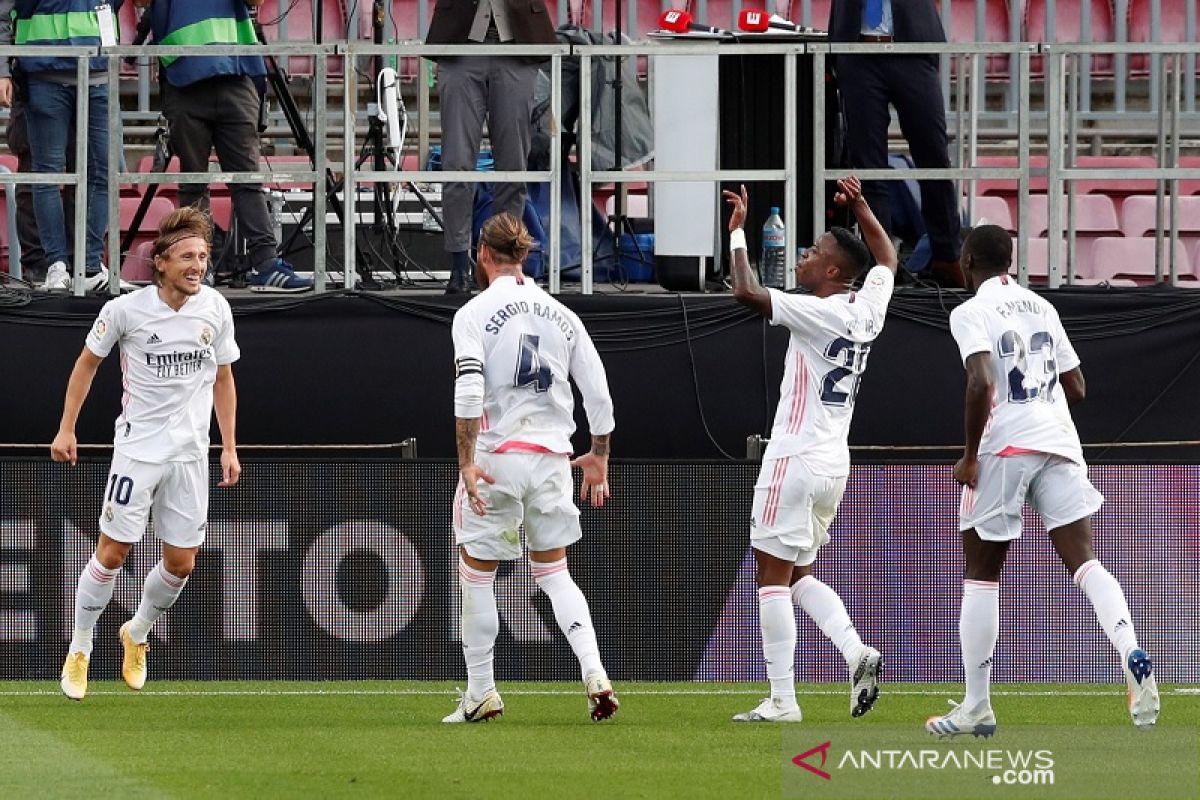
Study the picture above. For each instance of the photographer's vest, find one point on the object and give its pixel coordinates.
(190, 23)
(58, 23)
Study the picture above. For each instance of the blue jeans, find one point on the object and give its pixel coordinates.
(51, 114)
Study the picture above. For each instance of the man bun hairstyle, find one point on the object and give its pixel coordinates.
(989, 248)
(507, 237)
(856, 257)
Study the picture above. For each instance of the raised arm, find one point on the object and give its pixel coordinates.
(64, 447)
(746, 288)
(878, 241)
(977, 408)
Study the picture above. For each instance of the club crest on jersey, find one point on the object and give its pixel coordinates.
(109, 513)
(100, 328)
(206, 336)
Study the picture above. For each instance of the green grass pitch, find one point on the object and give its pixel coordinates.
(385, 739)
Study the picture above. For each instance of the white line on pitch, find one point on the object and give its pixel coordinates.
(549, 692)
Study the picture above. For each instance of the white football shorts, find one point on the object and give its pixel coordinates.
(531, 489)
(1057, 488)
(793, 509)
(176, 492)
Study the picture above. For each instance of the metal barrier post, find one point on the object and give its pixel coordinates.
(818, 147)
(1054, 68)
(1159, 185)
(1072, 148)
(115, 150)
(585, 176)
(789, 167)
(349, 190)
(1176, 87)
(320, 164)
(1023, 164)
(553, 247)
(79, 264)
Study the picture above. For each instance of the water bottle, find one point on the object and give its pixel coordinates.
(773, 265)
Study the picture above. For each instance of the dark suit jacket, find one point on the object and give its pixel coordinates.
(452, 19)
(912, 21)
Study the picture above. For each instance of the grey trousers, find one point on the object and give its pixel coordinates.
(222, 113)
(499, 88)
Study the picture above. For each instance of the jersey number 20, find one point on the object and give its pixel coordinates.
(853, 355)
(530, 369)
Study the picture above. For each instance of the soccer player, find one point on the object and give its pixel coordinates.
(806, 463)
(515, 350)
(1021, 445)
(177, 346)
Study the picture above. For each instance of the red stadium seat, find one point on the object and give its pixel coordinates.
(1172, 29)
(1008, 188)
(1138, 216)
(1095, 217)
(794, 10)
(992, 210)
(1068, 27)
(1038, 259)
(996, 29)
(299, 16)
(221, 209)
(1132, 258)
(1192, 185)
(159, 208)
(1114, 186)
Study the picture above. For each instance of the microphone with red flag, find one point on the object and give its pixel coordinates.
(678, 21)
(756, 20)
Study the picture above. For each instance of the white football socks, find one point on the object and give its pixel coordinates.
(777, 619)
(1109, 602)
(480, 626)
(827, 610)
(978, 629)
(92, 594)
(159, 592)
(571, 613)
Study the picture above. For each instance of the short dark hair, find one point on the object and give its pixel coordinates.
(988, 248)
(855, 257)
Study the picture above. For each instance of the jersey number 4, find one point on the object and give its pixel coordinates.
(530, 369)
(1026, 384)
(853, 357)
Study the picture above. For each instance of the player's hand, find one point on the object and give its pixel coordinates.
(966, 471)
(64, 447)
(595, 477)
(472, 474)
(6, 92)
(849, 191)
(738, 203)
(231, 468)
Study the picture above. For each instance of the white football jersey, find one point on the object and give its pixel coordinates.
(169, 363)
(1029, 350)
(826, 356)
(527, 346)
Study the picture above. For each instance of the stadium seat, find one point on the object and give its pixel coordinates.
(1138, 216)
(996, 29)
(637, 205)
(1172, 30)
(138, 264)
(992, 210)
(794, 10)
(1068, 27)
(1095, 217)
(1131, 258)
(221, 209)
(299, 15)
(1008, 188)
(1192, 185)
(159, 208)
(1115, 187)
(1038, 259)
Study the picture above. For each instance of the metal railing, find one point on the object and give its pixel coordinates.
(1061, 111)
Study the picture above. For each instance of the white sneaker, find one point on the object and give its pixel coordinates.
(1142, 688)
(99, 282)
(602, 702)
(57, 278)
(864, 681)
(977, 722)
(472, 710)
(771, 709)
